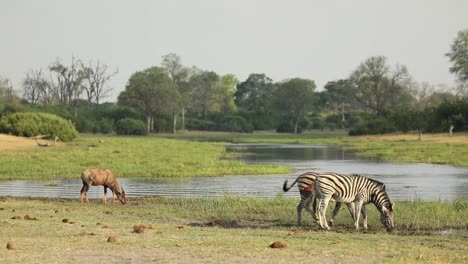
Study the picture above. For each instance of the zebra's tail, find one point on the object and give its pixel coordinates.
(285, 185)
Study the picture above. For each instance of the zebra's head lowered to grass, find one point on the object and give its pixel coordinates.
(385, 207)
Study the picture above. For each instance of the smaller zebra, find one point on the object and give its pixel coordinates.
(305, 184)
(356, 191)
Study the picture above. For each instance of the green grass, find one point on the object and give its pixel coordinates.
(127, 156)
(413, 152)
(230, 229)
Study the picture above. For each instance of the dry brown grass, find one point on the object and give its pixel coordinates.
(13, 143)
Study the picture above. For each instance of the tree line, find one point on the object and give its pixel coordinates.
(375, 98)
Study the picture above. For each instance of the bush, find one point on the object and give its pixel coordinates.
(130, 126)
(28, 124)
(378, 125)
(234, 123)
(104, 126)
(288, 128)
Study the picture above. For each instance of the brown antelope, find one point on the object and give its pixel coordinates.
(103, 177)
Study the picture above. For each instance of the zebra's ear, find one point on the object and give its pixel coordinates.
(393, 205)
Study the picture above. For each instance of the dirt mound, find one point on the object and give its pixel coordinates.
(278, 244)
(10, 246)
(28, 217)
(113, 239)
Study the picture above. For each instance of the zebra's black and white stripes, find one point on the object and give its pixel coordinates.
(305, 184)
(356, 191)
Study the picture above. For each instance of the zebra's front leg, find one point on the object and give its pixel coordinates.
(322, 209)
(335, 212)
(364, 216)
(357, 213)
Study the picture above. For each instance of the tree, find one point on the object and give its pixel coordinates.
(35, 87)
(225, 93)
(151, 91)
(338, 96)
(254, 93)
(7, 93)
(68, 81)
(379, 89)
(180, 76)
(95, 79)
(459, 56)
(293, 98)
(204, 86)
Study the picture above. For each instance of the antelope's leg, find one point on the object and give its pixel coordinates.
(105, 195)
(84, 192)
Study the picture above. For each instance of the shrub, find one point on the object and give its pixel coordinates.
(378, 125)
(28, 124)
(234, 123)
(130, 126)
(288, 128)
(199, 124)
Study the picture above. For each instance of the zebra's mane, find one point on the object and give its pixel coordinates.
(383, 192)
(381, 184)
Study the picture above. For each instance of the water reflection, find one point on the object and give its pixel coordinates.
(403, 181)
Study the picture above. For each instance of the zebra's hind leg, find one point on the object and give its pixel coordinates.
(335, 212)
(322, 209)
(299, 213)
(305, 197)
(313, 211)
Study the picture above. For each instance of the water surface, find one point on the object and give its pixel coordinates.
(403, 181)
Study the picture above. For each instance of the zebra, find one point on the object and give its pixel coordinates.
(305, 183)
(356, 191)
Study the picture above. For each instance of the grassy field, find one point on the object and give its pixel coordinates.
(230, 229)
(201, 153)
(127, 156)
(226, 230)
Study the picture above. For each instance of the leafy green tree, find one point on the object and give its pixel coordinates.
(293, 98)
(225, 93)
(459, 57)
(254, 94)
(180, 75)
(379, 89)
(338, 96)
(204, 87)
(151, 91)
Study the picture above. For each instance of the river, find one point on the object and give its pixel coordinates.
(403, 181)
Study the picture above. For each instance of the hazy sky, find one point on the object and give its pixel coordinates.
(318, 40)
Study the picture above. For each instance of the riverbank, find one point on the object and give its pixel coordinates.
(203, 153)
(142, 157)
(433, 148)
(229, 229)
